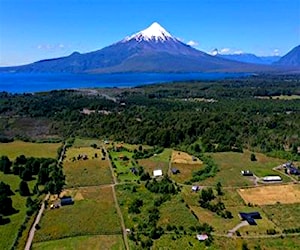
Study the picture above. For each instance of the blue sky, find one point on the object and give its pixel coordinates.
(31, 30)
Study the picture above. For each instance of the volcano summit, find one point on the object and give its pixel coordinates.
(151, 50)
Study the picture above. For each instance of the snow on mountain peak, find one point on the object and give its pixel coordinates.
(154, 32)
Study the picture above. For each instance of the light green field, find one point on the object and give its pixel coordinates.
(90, 172)
(93, 214)
(285, 216)
(122, 169)
(231, 164)
(16, 148)
(175, 213)
(103, 242)
(10, 230)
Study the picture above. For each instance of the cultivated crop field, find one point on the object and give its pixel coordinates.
(268, 195)
(90, 172)
(102, 242)
(16, 148)
(85, 217)
(231, 164)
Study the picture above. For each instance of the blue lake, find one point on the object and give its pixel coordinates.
(37, 82)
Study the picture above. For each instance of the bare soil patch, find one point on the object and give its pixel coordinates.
(268, 195)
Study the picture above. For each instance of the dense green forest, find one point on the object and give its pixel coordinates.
(261, 113)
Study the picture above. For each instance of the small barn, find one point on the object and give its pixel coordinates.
(195, 188)
(202, 237)
(66, 201)
(246, 173)
(134, 170)
(272, 178)
(250, 217)
(157, 173)
(175, 171)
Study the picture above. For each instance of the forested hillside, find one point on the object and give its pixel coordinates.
(260, 113)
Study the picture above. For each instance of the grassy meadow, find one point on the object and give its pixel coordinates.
(10, 230)
(123, 165)
(29, 149)
(91, 172)
(94, 214)
(285, 216)
(101, 242)
(159, 161)
(231, 164)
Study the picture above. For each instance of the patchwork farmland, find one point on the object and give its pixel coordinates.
(115, 208)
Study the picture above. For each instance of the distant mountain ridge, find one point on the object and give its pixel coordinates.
(151, 50)
(250, 58)
(291, 59)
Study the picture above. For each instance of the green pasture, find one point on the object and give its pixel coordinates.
(285, 216)
(10, 230)
(231, 164)
(29, 149)
(122, 169)
(101, 242)
(95, 214)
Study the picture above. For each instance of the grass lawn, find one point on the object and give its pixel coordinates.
(10, 230)
(123, 166)
(285, 216)
(231, 163)
(95, 214)
(16, 148)
(113, 242)
(90, 172)
(175, 213)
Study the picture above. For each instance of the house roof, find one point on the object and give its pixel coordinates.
(202, 237)
(157, 172)
(250, 217)
(174, 170)
(66, 201)
(272, 178)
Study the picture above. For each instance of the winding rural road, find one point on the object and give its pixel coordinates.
(37, 220)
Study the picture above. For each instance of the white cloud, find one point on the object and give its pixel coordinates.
(237, 52)
(225, 51)
(50, 46)
(192, 43)
(276, 52)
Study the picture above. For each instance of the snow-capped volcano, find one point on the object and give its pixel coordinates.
(154, 32)
(151, 50)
